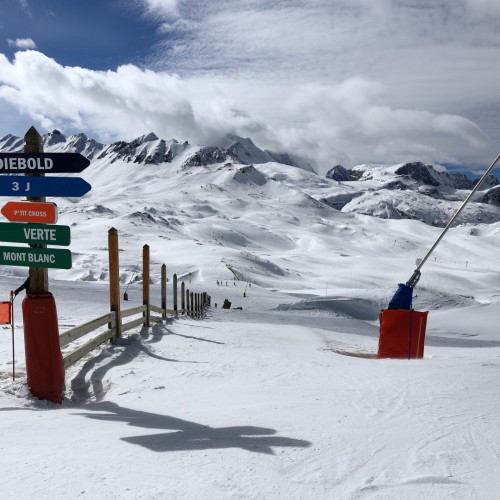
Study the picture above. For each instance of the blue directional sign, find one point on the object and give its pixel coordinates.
(18, 185)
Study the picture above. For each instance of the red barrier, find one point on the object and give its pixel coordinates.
(44, 362)
(5, 313)
(402, 333)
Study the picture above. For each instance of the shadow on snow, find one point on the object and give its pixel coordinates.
(190, 436)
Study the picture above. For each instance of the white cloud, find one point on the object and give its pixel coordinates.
(337, 80)
(163, 8)
(22, 43)
(25, 6)
(347, 122)
(484, 7)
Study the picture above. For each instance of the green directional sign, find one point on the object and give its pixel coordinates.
(35, 257)
(35, 234)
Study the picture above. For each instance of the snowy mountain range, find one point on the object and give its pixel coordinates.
(406, 191)
(247, 204)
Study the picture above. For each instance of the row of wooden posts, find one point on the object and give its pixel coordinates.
(191, 304)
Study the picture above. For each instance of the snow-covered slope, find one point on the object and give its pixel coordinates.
(283, 398)
(254, 219)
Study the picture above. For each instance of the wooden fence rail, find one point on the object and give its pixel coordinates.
(114, 319)
(79, 331)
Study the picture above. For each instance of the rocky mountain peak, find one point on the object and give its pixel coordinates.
(244, 149)
(52, 138)
(418, 172)
(338, 173)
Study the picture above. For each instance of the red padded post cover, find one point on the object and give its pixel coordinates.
(44, 362)
(402, 333)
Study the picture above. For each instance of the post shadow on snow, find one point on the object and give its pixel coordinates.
(157, 333)
(130, 347)
(159, 330)
(170, 332)
(190, 436)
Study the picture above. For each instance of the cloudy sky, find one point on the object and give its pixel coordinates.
(346, 81)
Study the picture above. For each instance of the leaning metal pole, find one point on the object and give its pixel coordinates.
(416, 274)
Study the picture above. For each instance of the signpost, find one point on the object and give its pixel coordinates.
(30, 211)
(35, 234)
(35, 257)
(23, 174)
(17, 185)
(42, 163)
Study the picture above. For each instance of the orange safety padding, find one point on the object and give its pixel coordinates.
(402, 333)
(44, 361)
(5, 313)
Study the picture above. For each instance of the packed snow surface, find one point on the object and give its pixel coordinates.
(283, 398)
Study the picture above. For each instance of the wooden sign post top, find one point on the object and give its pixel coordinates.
(38, 276)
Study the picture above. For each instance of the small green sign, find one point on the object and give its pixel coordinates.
(35, 234)
(35, 257)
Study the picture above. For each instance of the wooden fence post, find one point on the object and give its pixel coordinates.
(164, 290)
(192, 304)
(183, 298)
(145, 283)
(114, 280)
(38, 276)
(197, 300)
(175, 293)
(188, 311)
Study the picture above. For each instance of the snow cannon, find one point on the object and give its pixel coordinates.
(402, 329)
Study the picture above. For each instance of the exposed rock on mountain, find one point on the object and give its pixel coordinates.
(11, 143)
(250, 174)
(419, 172)
(490, 181)
(244, 149)
(209, 156)
(147, 149)
(339, 173)
(492, 197)
(56, 142)
(80, 143)
(53, 138)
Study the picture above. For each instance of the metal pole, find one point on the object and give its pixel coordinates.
(145, 284)
(164, 290)
(416, 274)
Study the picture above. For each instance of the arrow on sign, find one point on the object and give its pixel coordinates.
(35, 257)
(18, 185)
(30, 211)
(35, 234)
(42, 163)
